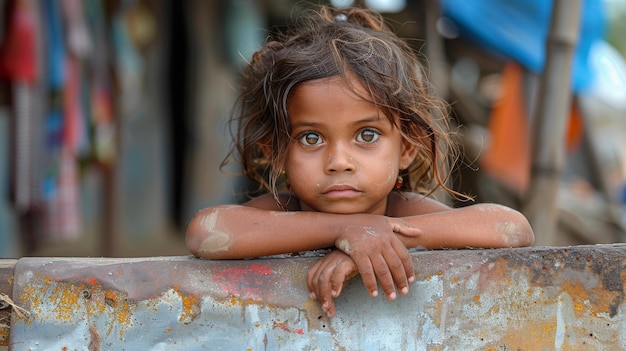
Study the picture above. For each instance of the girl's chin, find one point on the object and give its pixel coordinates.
(344, 208)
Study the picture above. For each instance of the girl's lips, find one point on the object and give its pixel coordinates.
(340, 191)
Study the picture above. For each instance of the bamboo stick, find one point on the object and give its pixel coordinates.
(548, 131)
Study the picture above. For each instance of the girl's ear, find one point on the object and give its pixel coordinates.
(408, 153)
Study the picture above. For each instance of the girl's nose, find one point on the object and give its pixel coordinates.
(339, 160)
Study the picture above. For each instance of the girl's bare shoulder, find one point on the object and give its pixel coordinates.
(405, 204)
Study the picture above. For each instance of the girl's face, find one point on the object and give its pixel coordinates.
(344, 155)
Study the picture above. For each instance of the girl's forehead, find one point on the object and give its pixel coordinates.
(349, 84)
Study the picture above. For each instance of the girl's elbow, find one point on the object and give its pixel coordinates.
(206, 242)
(523, 235)
(527, 237)
(513, 229)
(193, 240)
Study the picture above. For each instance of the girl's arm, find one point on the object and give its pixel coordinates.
(236, 232)
(479, 226)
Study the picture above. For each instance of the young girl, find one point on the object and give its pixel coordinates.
(340, 111)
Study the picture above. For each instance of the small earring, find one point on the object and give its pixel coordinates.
(399, 182)
(287, 183)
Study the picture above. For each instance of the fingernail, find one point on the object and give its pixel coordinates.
(411, 279)
(392, 296)
(404, 290)
(333, 293)
(312, 296)
(374, 293)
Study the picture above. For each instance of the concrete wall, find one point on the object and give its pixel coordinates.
(568, 298)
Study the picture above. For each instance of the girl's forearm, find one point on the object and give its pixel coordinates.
(480, 226)
(235, 232)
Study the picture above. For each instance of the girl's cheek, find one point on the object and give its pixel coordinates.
(392, 176)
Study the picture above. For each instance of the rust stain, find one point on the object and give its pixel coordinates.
(110, 298)
(547, 267)
(121, 311)
(494, 271)
(4, 336)
(191, 307)
(537, 335)
(65, 297)
(580, 296)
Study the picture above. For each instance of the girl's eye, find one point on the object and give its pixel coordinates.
(310, 139)
(368, 136)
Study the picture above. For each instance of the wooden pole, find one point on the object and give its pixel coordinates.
(548, 131)
(435, 51)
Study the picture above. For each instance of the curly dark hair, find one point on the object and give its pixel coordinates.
(347, 43)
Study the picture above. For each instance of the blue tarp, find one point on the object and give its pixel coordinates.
(518, 30)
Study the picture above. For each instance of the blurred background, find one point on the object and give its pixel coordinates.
(112, 113)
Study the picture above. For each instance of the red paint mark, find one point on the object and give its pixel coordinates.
(280, 325)
(252, 269)
(261, 269)
(92, 280)
(237, 272)
(284, 327)
(245, 282)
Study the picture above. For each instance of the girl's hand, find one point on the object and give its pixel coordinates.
(377, 246)
(327, 277)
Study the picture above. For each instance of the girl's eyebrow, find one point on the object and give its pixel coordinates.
(372, 119)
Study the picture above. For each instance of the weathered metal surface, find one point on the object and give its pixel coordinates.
(6, 288)
(507, 299)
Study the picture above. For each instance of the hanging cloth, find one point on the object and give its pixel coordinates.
(18, 65)
(18, 52)
(100, 99)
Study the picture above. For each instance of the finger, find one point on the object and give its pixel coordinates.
(385, 278)
(324, 294)
(397, 268)
(309, 281)
(312, 278)
(330, 308)
(407, 266)
(405, 229)
(319, 287)
(341, 274)
(367, 275)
